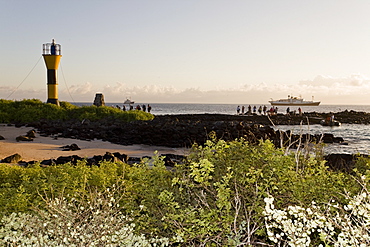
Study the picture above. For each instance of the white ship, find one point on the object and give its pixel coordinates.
(298, 101)
(128, 101)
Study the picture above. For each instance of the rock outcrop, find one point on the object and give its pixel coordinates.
(169, 159)
(185, 130)
(15, 158)
(175, 130)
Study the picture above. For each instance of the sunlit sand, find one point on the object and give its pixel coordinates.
(42, 148)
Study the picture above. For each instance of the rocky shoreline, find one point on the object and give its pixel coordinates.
(187, 129)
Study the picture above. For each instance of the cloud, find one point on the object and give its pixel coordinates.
(353, 89)
(13, 93)
(124, 90)
(83, 89)
(354, 80)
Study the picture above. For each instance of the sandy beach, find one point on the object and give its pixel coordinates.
(42, 148)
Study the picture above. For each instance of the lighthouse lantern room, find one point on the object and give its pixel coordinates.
(52, 53)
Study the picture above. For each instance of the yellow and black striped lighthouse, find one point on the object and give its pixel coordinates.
(52, 53)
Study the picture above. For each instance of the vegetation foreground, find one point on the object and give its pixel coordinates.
(33, 110)
(223, 194)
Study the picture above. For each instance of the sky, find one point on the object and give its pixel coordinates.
(189, 51)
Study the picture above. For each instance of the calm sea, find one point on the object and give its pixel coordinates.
(163, 109)
(356, 136)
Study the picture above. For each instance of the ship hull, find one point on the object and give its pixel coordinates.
(276, 103)
(128, 102)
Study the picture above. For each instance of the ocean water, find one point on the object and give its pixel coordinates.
(164, 109)
(356, 136)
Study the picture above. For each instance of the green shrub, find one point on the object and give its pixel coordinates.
(330, 224)
(94, 219)
(215, 198)
(27, 111)
(67, 106)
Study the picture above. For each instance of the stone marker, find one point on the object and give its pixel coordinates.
(99, 99)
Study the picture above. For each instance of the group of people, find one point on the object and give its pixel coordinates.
(138, 107)
(288, 112)
(263, 110)
(253, 110)
(144, 107)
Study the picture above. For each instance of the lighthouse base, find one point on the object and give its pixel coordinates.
(53, 101)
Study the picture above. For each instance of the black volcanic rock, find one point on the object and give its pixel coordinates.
(15, 158)
(72, 147)
(23, 138)
(31, 134)
(342, 162)
(184, 130)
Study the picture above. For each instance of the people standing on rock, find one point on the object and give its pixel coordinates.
(249, 110)
(287, 110)
(131, 107)
(238, 110)
(264, 109)
(123, 108)
(144, 107)
(138, 107)
(243, 110)
(254, 109)
(271, 111)
(260, 110)
(149, 108)
(300, 111)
